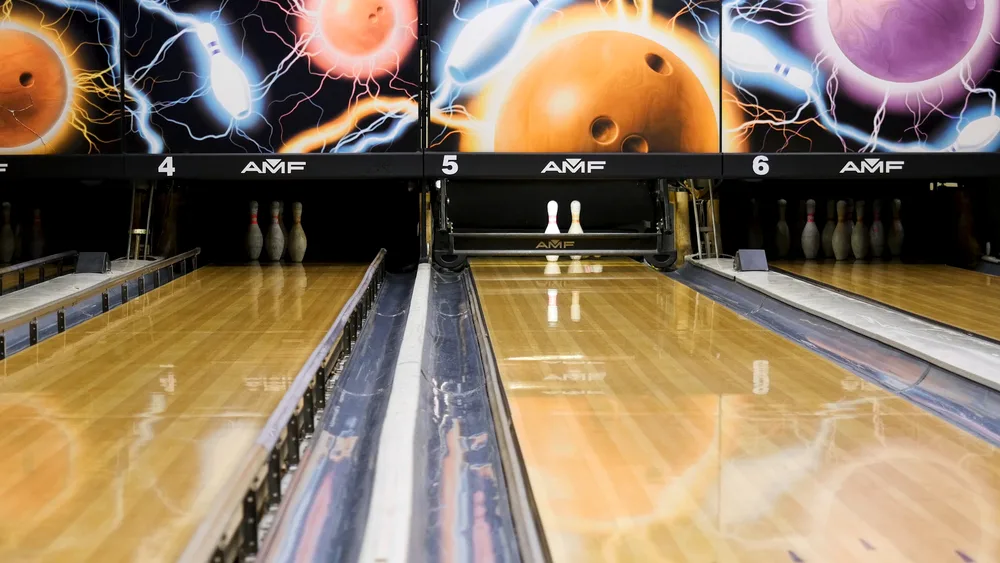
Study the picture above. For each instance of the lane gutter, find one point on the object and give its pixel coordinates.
(387, 531)
(524, 512)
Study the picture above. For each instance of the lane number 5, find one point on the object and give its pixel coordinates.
(449, 164)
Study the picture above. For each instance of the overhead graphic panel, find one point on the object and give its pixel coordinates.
(862, 87)
(538, 87)
(279, 78)
(59, 88)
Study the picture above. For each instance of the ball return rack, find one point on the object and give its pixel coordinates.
(656, 244)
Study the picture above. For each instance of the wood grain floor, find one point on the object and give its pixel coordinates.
(657, 425)
(961, 298)
(116, 435)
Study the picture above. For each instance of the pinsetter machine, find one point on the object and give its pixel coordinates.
(455, 239)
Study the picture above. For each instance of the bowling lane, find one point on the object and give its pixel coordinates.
(964, 299)
(116, 435)
(656, 425)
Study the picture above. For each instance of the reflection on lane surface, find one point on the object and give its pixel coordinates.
(116, 436)
(657, 425)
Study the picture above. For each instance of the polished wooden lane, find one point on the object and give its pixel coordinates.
(116, 435)
(657, 425)
(961, 298)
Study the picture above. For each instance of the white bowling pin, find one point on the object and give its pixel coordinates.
(976, 135)
(896, 235)
(281, 223)
(574, 227)
(574, 308)
(553, 226)
(487, 39)
(275, 240)
(781, 236)
(747, 53)
(810, 233)
(877, 231)
(841, 234)
(297, 236)
(255, 239)
(859, 236)
(831, 224)
(37, 235)
(228, 81)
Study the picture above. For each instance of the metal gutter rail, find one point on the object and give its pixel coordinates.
(232, 530)
(121, 281)
(39, 263)
(527, 523)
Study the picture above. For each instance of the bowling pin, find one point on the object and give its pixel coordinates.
(800, 226)
(755, 239)
(781, 236)
(810, 233)
(487, 39)
(553, 227)
(281, 223)
(574, 308)
(859, 236)
(17, 243)
(877, 231)
(553, 311)
(896, 235)
(37, 235)
(255, 239)
(228, 81)
(831, 224)
(841, 234)
(850, 223)
(575, 267)
(297, 236)
(574, 227)
(275, 240)
(552, 269)
(6, 236)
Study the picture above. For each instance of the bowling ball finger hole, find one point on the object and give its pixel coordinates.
(26, 79)
(635, 143)
(658, 64)
(604, 130)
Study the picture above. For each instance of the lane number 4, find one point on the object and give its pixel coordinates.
(167, 166)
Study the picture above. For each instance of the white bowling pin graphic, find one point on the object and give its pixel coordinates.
(877, 231)
(275, 240)
(487, 39)
(810, 233)
(228, 81)
(747, 53)
(574, 227)
(841, 234)
(859, 236)
(553, 311)
(896, 235)
(553, 226)
(977, 135)
(297, 236)
(831, 224)
(255, 239)
(781, 236)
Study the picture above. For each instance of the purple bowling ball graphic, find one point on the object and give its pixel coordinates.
(905, 41)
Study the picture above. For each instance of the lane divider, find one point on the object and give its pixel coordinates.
(387, 532)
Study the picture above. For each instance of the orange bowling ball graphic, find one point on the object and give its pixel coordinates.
(357, 27)
(34, 88)
(607, 91)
